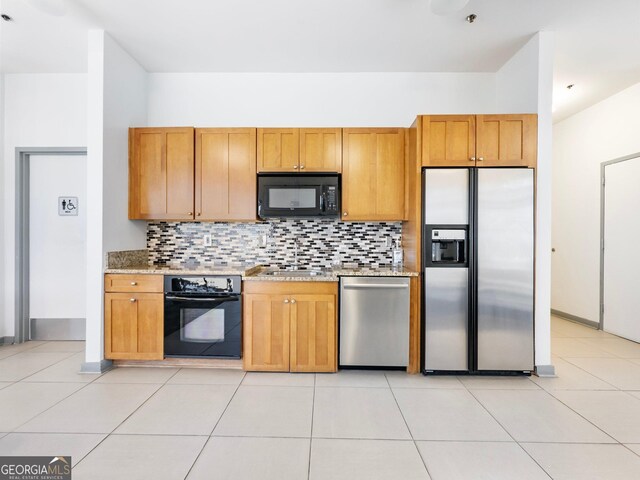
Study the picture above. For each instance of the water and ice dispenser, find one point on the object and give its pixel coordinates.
(448, 246)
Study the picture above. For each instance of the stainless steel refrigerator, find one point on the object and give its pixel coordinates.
(478, 256)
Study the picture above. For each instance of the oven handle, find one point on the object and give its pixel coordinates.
(200, 299)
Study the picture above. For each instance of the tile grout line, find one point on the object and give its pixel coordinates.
(128, 416)
(313, 407)
(204, 445)
(413, 440)
(44, 368)
(508, 432)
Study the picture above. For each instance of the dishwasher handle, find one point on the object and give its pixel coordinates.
(375, 285)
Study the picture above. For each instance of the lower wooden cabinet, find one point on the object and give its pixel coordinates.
(133, 322)
(290, 326)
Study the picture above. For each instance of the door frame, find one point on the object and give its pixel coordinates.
(602, 232)
(22, 178)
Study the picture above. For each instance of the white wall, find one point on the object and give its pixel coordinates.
(525, 85)
(605, 131)
(40, 110)
(314, 99)
(57, 244)
(117, 100)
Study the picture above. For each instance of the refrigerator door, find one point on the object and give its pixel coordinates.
(446, 193)
(505, 246)
(446, 319)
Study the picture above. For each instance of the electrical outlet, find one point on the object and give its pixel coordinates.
(206, 240)
(388, 242)
(264, 240)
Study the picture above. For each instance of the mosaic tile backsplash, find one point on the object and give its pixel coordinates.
(320, 243)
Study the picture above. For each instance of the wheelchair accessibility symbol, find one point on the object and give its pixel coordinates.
(67, 206)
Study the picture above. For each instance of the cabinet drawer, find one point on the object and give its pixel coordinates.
(133, 283)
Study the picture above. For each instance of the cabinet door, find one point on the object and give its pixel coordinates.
(278, 149)
(373, 174)
(266, 332)
(507, 140)
(134, 326)
(313, 333)
(448, 141)
(321, 150)
(161, 167)
(225, 174)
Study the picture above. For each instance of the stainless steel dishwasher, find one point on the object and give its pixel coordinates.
(374, 321)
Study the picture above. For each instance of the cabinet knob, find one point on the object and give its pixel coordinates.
(189, 213)
(286, 300)
(133, 284)
(199, 213)
(472, 159)
(132, 300)
(344, 214)
(480, 159)
(293, 300)
(301, 167)
(295, 167)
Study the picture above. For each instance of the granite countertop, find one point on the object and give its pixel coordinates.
(333, 275)
(196, 270)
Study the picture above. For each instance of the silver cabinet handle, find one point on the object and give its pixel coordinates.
(480, 159)
(133, 284)
(472, 159)
(132, 300)
(376, 285)
(286, 300)
(189, 213)
(295, 167)
(301, 167)
(344, 214)
(293, 300)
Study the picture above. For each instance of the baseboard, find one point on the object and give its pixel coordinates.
(545, 371)
(575, 318)
(57, 328)
(96, 367)
(7, 340)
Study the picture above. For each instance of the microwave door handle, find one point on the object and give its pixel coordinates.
(322, 209)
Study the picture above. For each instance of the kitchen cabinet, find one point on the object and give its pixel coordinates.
(373, 174)
(290, 326)
(299, 150)
(479, 140)
(225, 174)
(506, 140)
(161, 170)
(278, 149)
(134, 319)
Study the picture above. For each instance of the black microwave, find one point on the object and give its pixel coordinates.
(298, 195)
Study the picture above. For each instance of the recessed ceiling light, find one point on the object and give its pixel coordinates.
(570, 86)
(6, 17)
(471, 18)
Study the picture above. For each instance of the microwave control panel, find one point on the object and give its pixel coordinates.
(331, 199)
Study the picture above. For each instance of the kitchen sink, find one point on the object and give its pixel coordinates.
(291, 273)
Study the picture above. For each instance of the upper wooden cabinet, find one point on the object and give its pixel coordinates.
(278, 149)
(299, 150)
(373, 174)
(479, 140)
(507, 140)
(161, 169)
(448, 140)
(225, 176)
(320, 150)
(290, 326)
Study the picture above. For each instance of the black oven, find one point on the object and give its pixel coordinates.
(298, 195)
(202, 316)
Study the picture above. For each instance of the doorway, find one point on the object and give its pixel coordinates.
(50, 244)
(620, 262)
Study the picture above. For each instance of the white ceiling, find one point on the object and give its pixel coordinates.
(597, 41)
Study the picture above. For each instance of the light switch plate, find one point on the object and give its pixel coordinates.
(206, 240)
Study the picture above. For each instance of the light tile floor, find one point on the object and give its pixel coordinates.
(169, 423)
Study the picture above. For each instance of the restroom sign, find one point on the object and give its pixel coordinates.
(67, 206)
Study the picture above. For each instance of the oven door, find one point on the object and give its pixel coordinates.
(202, 326)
